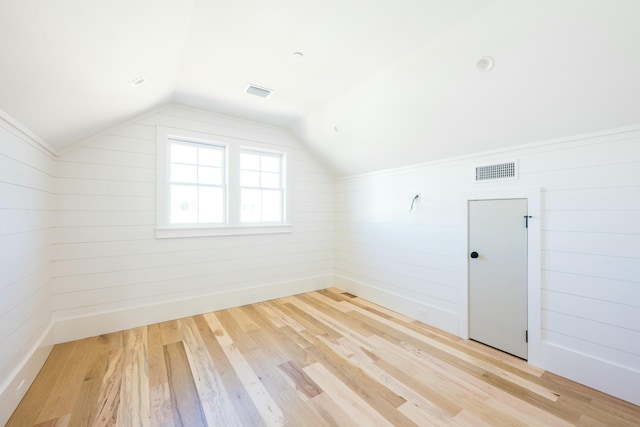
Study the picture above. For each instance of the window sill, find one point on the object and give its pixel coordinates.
(177, 232)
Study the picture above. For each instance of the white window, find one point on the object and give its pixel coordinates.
(211, 185)
(197, 183)
(261, 187)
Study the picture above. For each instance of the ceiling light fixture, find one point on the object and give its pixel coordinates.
(262, 92)
(485, 64)
(138, 82)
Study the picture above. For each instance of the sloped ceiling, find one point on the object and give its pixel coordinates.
(382, 83)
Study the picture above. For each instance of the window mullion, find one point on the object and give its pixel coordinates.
(233, 197)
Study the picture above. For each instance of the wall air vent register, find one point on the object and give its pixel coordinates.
(497, 171)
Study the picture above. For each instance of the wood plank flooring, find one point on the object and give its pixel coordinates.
(324, 358)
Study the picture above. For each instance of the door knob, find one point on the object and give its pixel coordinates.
(474, 254)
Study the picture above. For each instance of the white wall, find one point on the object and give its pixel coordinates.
(590, 285)
(81, 247)
(26, 197)
(110, 272)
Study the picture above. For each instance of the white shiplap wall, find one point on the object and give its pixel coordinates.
(110, 272)
(26, 197)
(590, 248)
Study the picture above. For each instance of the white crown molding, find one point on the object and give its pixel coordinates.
(27, 134)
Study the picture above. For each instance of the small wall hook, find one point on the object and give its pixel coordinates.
(413, 201)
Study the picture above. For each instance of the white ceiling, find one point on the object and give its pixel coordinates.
(397, 78)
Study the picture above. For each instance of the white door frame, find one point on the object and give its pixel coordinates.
(534, 266)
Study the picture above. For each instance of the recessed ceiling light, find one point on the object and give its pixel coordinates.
(486, 63)
(262, 92)
(138, 82)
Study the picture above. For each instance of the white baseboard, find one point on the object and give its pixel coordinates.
(13, 388)
(619, 381)
(132, 317)
(429, 314)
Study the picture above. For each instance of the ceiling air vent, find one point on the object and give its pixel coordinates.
(262, 92)
(497, 171)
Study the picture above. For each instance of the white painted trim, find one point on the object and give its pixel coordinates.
(434, 316)
(174, 232)
(132, 317)
(232, 147)
(505, 151)
(534, 277)
(30, 137)
(620, 381)
(26, 371)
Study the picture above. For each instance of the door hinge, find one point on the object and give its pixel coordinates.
(526, 221)
(526, 336)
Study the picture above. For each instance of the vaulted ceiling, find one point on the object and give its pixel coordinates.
(380, 83)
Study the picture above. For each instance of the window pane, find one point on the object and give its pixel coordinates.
(271, 206)
(270, 164)
(211, 205)
(250, 203)
(183, 154)
(211, 176)
(198, 189)
(249, 179)
(270, 180)
(184, 204)
(184, 173)
(249, 161)
(210, 156)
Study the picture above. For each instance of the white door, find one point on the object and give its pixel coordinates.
(498, 274)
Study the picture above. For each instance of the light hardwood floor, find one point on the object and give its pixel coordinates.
(319, 359)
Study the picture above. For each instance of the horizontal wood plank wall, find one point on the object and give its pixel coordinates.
(26, 197)
(108, 259)
(590, 239)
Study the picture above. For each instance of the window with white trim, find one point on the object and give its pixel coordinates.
(261, 186)
(212, 185)
(197, 183)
